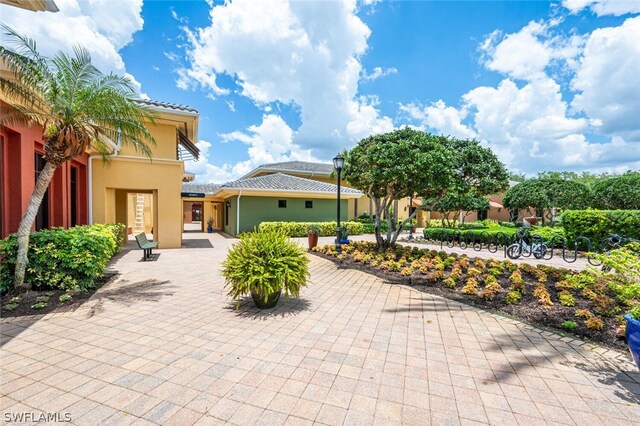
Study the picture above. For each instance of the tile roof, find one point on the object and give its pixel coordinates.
(300, 166)
(177, 107)
(282, 182)
(207, 188)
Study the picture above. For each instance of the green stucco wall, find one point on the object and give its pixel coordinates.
(230, 223)
(254, 210)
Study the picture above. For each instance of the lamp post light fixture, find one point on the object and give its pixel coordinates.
(411, 221)
(338, 163)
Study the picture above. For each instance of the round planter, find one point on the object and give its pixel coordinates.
(210, 230)
(271, 302)
(313, 240)
(633, 338)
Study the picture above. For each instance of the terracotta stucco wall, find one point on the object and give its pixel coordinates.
(19, 145)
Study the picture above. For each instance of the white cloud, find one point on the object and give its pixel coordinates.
(103, 27)
(378, 72)
(603, 7)
(440, 118)
(528, 53)
(608, 82)
(519, 122)
(530, 122)
(520, 55)
(286, 52)
(270, 141)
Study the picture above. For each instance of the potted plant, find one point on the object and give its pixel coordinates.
(313, 230)
(263, 264)
(210, 225)
(633, 333)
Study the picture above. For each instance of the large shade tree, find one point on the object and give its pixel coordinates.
(408, 162)
(78, 107)
(546, 193)
(477, 172)
(619, 192)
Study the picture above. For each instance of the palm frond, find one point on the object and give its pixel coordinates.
(79, 105)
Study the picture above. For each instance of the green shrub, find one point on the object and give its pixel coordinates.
(474, 225)
(598, 224)
(314, 229)
(513, 297)
(622, 273)
(299, 229)
(566, 298)
(265, 262)
(618, 192)
(570, 325)
(63, 258)
(547, 232)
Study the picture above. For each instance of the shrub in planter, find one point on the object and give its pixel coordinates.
(263, 264)
(69, 259)
(313, 230)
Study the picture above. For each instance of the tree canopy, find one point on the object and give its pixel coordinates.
(548, 191)
(619, 192)
(409, 162)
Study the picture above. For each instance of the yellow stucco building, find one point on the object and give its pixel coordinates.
(143, 192)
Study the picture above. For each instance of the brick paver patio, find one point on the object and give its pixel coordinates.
(164, 345)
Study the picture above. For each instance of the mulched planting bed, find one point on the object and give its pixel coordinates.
(44, 301)
(565, 301)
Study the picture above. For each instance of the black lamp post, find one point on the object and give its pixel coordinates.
(338, 163)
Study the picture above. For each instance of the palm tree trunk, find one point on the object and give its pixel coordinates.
(27, 222)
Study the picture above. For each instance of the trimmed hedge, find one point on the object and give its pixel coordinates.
(299, 229)
(598, 224)
(69, 259)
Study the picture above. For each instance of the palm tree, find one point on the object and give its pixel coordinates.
(78, 107)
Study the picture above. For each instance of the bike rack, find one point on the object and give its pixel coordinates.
(492, 243)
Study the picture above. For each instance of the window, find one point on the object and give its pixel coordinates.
(42, 218)
(308, 204)
(282, 204)
(74, 195)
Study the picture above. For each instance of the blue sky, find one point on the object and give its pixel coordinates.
(547, 85)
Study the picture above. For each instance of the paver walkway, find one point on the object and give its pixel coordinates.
(163, 345)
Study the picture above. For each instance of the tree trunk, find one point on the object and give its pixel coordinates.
(27, 222)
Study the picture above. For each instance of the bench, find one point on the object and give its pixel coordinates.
(146, 245)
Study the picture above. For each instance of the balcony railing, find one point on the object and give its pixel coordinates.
(186, 150)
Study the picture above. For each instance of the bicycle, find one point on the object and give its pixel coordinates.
(537, 248)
